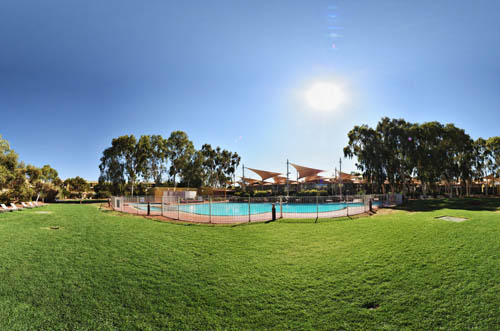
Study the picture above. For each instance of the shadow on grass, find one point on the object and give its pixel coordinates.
(473, 203)
(320, 220)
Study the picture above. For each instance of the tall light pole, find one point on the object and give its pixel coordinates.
(340, 177)
(244, 182)
(287, 182)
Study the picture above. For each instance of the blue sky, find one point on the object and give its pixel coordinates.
(75, 74)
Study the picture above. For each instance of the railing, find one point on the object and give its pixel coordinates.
(251, 209)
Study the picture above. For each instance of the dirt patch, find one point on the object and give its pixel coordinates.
(452, 218)
(52, 227)
(385, 211)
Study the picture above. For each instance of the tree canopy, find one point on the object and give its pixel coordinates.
(173, 161)
(396, 151)
(19, 181)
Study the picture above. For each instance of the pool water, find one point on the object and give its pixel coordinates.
(241, 209)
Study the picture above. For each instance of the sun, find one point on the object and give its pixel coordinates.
(325, 96)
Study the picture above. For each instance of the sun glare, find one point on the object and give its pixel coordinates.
(325, 96)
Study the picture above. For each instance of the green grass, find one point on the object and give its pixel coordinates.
(104, 271)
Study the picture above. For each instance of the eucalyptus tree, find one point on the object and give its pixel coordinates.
(49, 174)
(209, 164)
(181, 150)
(43, 181)
(112, 170)
(480, 159)
(428, 156)
(193, 174)
(219, 165)
(158, 158)
(123, 161)
(8, 164)
(365, 144)
(493, 164)
(458, 151)
(395, 151)
(77, 184)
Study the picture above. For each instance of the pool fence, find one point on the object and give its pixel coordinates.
(220, 210)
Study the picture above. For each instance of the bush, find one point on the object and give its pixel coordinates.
(264, 193)
(103, 195)
(313, 192)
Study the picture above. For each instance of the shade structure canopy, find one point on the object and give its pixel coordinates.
(279, 180)
(250, 180)
(314, 178)
(264, 174)
(346, 176)
(305, 171)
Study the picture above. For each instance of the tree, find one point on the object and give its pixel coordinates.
(193, 175)
(181, 150)
(78, 185)
(493, 163)
(153, 152)
(219, 165)
(479, 158)
(365, 144)
(123, 161)
(396, 149)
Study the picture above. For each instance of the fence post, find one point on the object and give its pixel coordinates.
(162, 203)
(249, 214)
(137, 205)
(178, 208)
(210, 209)
(281, 206)
(317, 207)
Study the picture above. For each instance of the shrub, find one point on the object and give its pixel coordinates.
(313, 192)
(103, 195)
(264, 193)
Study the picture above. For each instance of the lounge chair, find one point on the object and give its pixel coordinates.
(5, 208)
(25, 205)
(14, 207)
(32, 204)
(38, 204)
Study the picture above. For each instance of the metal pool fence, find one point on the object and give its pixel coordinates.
(229, 210)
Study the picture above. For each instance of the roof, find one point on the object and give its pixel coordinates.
(305, 171)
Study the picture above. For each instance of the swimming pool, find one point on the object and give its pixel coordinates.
(242, 209)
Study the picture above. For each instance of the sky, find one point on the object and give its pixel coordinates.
(76, 74)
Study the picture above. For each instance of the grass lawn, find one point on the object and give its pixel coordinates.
(402, 270)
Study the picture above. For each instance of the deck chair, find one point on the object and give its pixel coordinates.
(14, 207)
(32, 204)
(25, 205)
(5, 208)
